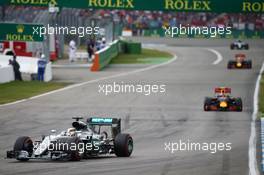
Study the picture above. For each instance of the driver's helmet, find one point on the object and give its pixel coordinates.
(71, 132)
(239, 59)
(221, 94)
(42, 56)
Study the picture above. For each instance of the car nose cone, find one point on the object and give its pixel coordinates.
(223, 104)
(239, 64)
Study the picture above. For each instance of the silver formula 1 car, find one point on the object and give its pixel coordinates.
(82, 140)
(239, 45)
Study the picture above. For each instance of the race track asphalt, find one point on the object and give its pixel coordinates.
(151, 120)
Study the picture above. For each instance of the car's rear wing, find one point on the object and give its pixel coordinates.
(223, 90)
(115, 123)
(240, 55)
(103, 121)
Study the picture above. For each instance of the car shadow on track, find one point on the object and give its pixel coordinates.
(62, 161)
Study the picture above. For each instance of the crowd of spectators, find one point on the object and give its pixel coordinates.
(25, 14)
(157, 19)
(253, 22)
(146, 19)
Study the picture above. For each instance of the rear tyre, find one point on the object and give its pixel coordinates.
(123, 145)
(23, 143)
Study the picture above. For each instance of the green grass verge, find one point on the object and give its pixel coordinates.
(13, 91)
(148, 56)
(261, 96)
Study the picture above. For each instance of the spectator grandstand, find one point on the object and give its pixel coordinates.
(153, 20)
(141, 23)
(135, 20)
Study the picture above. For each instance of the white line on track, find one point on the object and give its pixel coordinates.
(94, 81)
(252, 162)
(154, 45)
(218, 55)
(71, 66)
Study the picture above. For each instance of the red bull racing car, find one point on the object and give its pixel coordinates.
(222, 101)
(240, 62)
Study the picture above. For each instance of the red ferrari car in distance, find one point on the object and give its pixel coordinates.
(240, 62)
(223, 101)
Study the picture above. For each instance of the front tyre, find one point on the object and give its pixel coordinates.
(230, 65)
(246, 46)
(249, 64)
(239, 104)
(207, 103)
(23, 143)
(123, 145)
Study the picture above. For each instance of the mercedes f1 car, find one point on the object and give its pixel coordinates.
(240, 45)
(82, 140)
(240, 62)
(222, 101)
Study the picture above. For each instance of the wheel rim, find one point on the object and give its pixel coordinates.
(29, 146)
(130, 146)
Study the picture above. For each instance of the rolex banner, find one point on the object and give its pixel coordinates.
(19, 32)
(231, 6)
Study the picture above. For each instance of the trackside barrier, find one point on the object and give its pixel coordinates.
(6, 74)
(103, 57)
(28, 65)
(262, 143)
